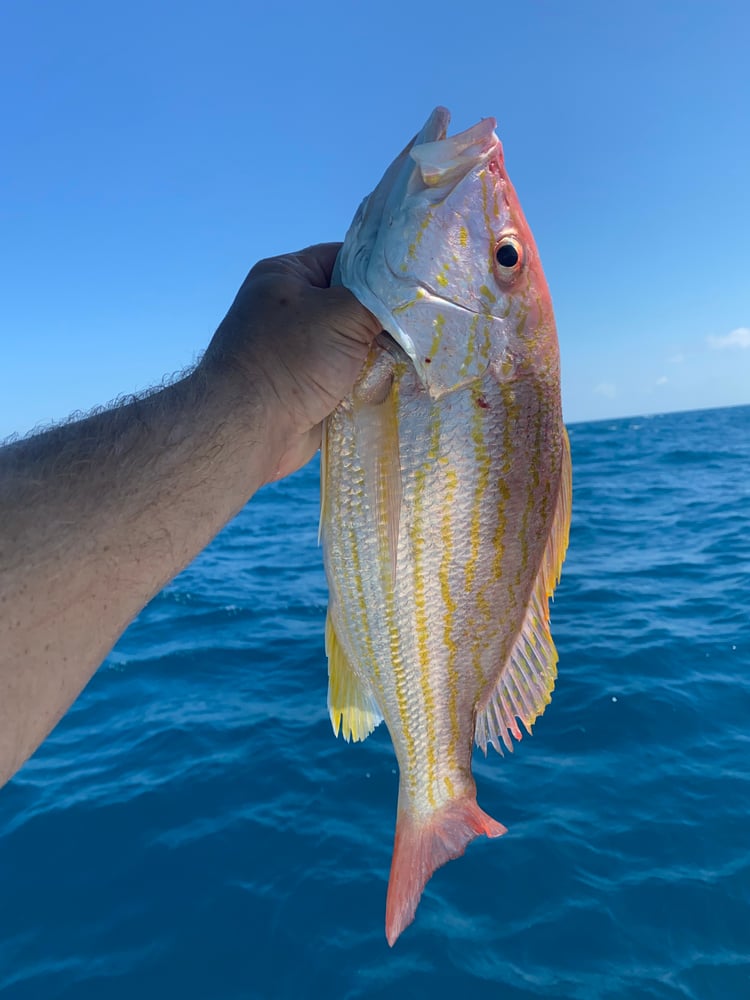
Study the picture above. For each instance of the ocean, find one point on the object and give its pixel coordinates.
(193, 829)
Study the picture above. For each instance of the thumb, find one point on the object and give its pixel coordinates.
(349, 319)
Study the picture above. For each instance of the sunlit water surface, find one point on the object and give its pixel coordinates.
(193, 829)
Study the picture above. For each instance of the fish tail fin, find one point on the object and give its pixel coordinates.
(423, 845)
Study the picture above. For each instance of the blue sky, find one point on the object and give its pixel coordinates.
(152, 152)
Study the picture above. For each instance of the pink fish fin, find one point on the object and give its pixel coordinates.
(524, 687)
(422, 846)
(352, 708)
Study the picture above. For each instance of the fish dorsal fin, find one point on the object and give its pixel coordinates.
(524, 688)
(352, 708)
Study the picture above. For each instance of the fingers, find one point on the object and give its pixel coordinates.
(351, 318)
(313, 265)
(319, 261)
(310, 270)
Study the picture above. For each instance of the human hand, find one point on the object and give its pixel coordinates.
(296, 342)
(97, 515)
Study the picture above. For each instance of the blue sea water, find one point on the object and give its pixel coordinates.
(193, 829)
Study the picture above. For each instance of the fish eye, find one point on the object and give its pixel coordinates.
(509, 257)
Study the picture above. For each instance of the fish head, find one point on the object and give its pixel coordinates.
(442, 254)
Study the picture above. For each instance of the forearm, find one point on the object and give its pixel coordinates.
(95, 517)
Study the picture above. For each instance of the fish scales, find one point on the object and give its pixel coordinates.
(446, 491)
(448, 505)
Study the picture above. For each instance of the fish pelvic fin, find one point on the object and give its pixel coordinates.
(351, 707)
(423, 845)
(524, 688)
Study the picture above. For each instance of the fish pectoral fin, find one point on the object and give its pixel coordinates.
(423, 845)
(524, 687)
(352, 708)
(323, 477)
(379, 450)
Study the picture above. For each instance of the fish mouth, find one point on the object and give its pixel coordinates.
(406, 345)
(435, 129)
(427, 292)
(438, 163)
(444, 160)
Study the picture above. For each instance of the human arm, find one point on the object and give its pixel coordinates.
(98, 515)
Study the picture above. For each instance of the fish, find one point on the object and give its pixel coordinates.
(445, 490)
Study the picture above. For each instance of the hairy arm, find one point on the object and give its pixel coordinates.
(98, 515)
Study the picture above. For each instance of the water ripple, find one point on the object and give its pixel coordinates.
(192, 827)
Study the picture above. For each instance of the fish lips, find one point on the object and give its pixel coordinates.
(443, 160)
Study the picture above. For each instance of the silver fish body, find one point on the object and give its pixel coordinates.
(446, 492)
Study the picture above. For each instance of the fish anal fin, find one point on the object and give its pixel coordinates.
(422, 846)
(524, 688)
(352, 709)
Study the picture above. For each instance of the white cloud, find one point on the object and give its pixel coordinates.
(676, 359)
(606, 389)
(662, 380)
(737, 338)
